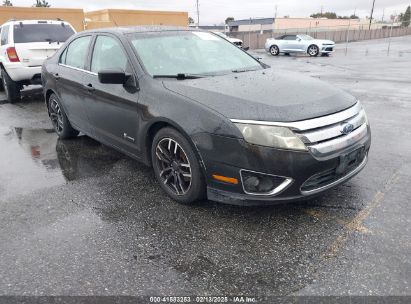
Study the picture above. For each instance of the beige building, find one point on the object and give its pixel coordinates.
(95, 19)
(281, 24)
(74, 16)
(121, 17)
(319, 23)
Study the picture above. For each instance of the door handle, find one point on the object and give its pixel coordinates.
(89, 87)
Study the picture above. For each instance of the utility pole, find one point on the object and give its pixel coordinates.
(198, 14)
(275, 19)
(321, 10)
(383, 13)
(372, 12)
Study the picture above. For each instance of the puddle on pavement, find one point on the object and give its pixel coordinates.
(32, 159)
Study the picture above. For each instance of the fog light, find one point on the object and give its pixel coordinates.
(263, 184)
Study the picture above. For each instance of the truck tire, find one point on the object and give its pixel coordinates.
(11, 88)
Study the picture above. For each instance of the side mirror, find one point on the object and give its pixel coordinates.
(113, 76)
(246, 48)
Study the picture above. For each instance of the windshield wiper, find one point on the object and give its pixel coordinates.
(180, 76)
(243, 70)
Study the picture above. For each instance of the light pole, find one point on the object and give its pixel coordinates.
(275, 19)
(389, 39)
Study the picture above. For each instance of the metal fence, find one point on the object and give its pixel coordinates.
(256, 40)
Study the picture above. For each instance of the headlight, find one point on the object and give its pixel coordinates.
(271, 136)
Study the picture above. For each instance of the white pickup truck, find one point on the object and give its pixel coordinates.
(24, 46)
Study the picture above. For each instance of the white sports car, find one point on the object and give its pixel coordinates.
(299, 44)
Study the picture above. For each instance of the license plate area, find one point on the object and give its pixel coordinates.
(350, 161)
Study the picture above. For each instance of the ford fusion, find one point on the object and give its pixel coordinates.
(211, 120)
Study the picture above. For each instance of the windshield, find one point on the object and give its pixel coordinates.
(305, 37)
(184, 52)
(41, 33)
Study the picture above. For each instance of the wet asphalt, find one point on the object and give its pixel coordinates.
(78, 218)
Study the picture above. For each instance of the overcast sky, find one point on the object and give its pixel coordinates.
(215, 11)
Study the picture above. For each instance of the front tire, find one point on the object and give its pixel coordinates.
(274, 50)
(59, 119)
(313, 50)
(176, 167)
(11, 88)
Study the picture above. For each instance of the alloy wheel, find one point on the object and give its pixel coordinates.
(56, 116)
(174, 166)
(274, 50)
(313, 50)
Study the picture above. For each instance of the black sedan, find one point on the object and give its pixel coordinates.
(213, 121)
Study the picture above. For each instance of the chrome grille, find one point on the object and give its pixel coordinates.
(324, 141)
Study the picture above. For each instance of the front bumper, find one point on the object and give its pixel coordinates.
(228, 156)
(326, 49)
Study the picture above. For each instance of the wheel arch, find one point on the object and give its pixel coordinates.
(47, 96)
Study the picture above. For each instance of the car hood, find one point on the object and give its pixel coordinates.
(265, 95)
(322, 41)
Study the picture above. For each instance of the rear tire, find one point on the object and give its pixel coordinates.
(1, 86)
(59, 119)
(11, 88)
(274, 50)
(176, 167)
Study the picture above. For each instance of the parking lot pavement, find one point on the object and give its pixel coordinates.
(78, 218)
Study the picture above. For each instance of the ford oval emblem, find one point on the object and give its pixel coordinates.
(347, 128)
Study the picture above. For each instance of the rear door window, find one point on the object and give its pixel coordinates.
(26, 33)
(5, 35)
(76, 53)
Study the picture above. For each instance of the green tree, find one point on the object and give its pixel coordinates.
(328, 15)
(7, 3)
(190, 20)
(41, 3)
(354, 17)
(406, 17)
(229, 19)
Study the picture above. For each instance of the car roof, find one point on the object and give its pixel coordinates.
(37, 21)
(143, 29)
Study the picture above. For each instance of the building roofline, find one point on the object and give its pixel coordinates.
(251, 21)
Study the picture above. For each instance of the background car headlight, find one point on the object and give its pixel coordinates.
(271, 136)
